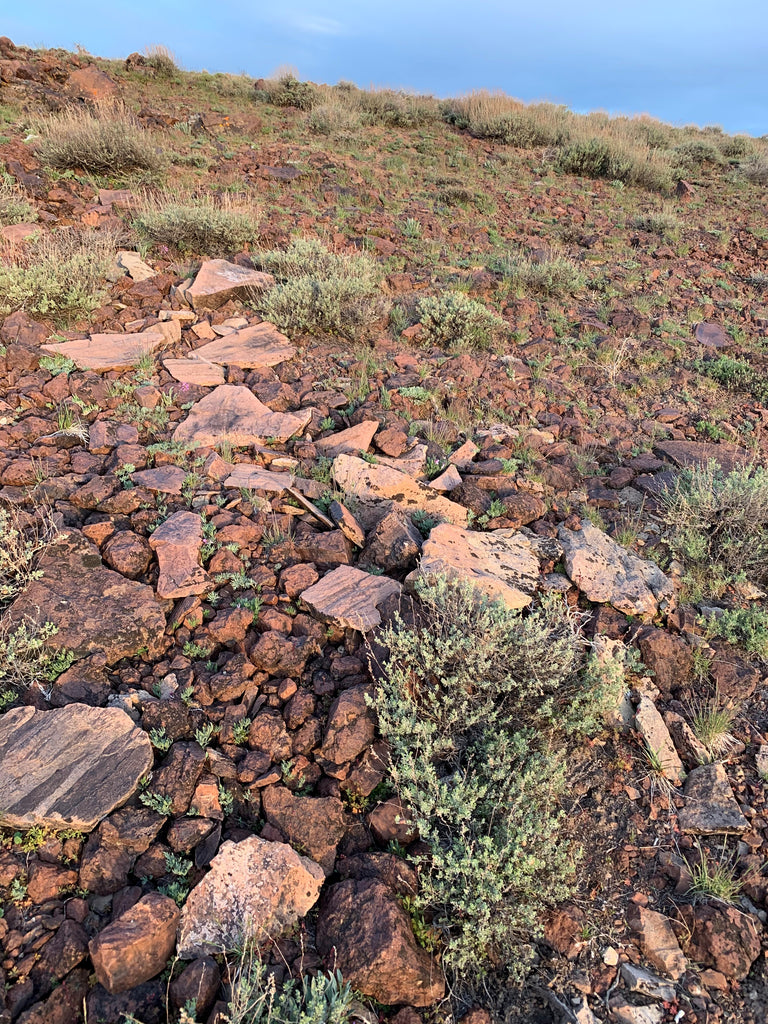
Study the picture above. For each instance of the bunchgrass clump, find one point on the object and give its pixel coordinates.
(718, 526)
(712, 721)
(662, 222)
(105, 139)
(320, 291)
(502, 119)
(206, 225)
(735, 375)
(476, 702)
(162, 61)
(714, 878)
(555, 275)
(454, 320)
(256, 997)
(61, 275)
(611, 157)
(756, 170)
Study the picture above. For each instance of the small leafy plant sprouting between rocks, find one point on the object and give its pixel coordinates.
(478, 703)
(257, 997)
(743, 627)
(719, 526)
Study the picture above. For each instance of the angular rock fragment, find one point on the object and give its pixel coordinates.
(654, 732)
(218, 281)
(503, 564)
(136, 946)
(350, 598)
(256, 478)
(658, 941)
(351, 441)
(231, 412)
(253, 886)
(710, 806)
(315, 825)
(381, 483)
(68, 768)
(259, 345)
(609, 574)
(102, 352)
(195, 371)
(177, 543)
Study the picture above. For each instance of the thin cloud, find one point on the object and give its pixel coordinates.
(316, 25)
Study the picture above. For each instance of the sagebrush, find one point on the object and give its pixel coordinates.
(456, 321)
(208, 225)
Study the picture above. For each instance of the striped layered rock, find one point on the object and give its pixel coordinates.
(68, 768)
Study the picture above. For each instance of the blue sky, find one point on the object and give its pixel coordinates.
(685, 61)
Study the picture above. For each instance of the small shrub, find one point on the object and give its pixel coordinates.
(257, 998)
(14, 207)
(333, 117)
(162, 61)
(756, 170)
(288, 91)
(61, 275)
(500, 118)
(319, 291)
(396, 109)
(26, 658)
(472, 699)
(22, 538)
(103, 140)
(735, 375)
(664, 223)
(602, 156)
(693, 153)
(203, 226)
(718, 526)
(743, 627)
(556, 275)
(457, 321)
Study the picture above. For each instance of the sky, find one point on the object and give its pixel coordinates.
(684, 61)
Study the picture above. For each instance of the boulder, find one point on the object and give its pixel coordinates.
(136, 946)
(350, 598)
(609, 574)
(725, 939)
(363, 926)
(218, 281)
(503, 564)
(351, 441)
(94, 608)
(231, 412)
(68, 768)
(314, 825)
(254, 886)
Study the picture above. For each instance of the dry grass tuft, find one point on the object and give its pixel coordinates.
(207, 224)
(104, 139)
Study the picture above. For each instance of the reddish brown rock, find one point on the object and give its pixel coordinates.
(350, 598)
(268, 735)
(364, 927)
(391, 821)
(314, 825)
(725, 939)
(177, 543)
(668, 657)
(658, 940)
(393, 545)
(128, 553)
(103, 352)
(297, 578)
(351, 441)
(48, 881)
(281, 655)
(233, 413)
(258, 345)
(136, 946)
(218, 281)
(350, 726)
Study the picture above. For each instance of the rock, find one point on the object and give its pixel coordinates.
(199, 981)
(647, 984)
(365, 927)
(136, 946)
(699, 453)
(448, 480)
(46, 881)
(712, 336)
(259, 345)
(195, 371)
(63, 1005)
(146, 1003)
(350, 598)
(655, 734)
(725, 939)
(94, 608)
(177, 543)
(128, 553)
(17, 233)
(178, 775)
(218, 281)
(281, 655)
(262, 886)
(68, 768)
(268, 736)
(89, 83)
(668, 657)
(111, 851)
(314, 825)
(391, 821)
(382, 483)
(609, 574)
(657, 940)
(692, 752)
(349, 728)
(161, 480)
(503, 564)
(351, 441)
(625, 1013)
(103, 352)
(392, 442)
(134, 266)
(233, 413)
(325, 549)
(256, 478)
(347, 523)
(710, 806)
(393, 545)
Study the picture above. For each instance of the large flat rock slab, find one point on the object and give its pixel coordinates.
(256, 478)
(710, 806)
(351, 441)
(177, 543)
(503, 564)
(70, 767)
(259, 345)
(254, 885)
(350, 598)
(218, 281)
(195, 371)
(377, 483)
(94, 608)
(699, 453)
(102, 352)
(233, 413)
(609, 574)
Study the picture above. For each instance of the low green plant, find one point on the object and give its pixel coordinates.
(160, 740)
(718, 526)
(712, 721)
(23, 537)
(320, 291)
(288, 91)
(554, 275)
(205, 734)
(456, 321)
(735, 375)
(743, 627)
(256, 997)
(240, 731)
(477, 702)
(156, 802)
(714, 879)
(56, 364)
(26, 656)
(14, 207)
